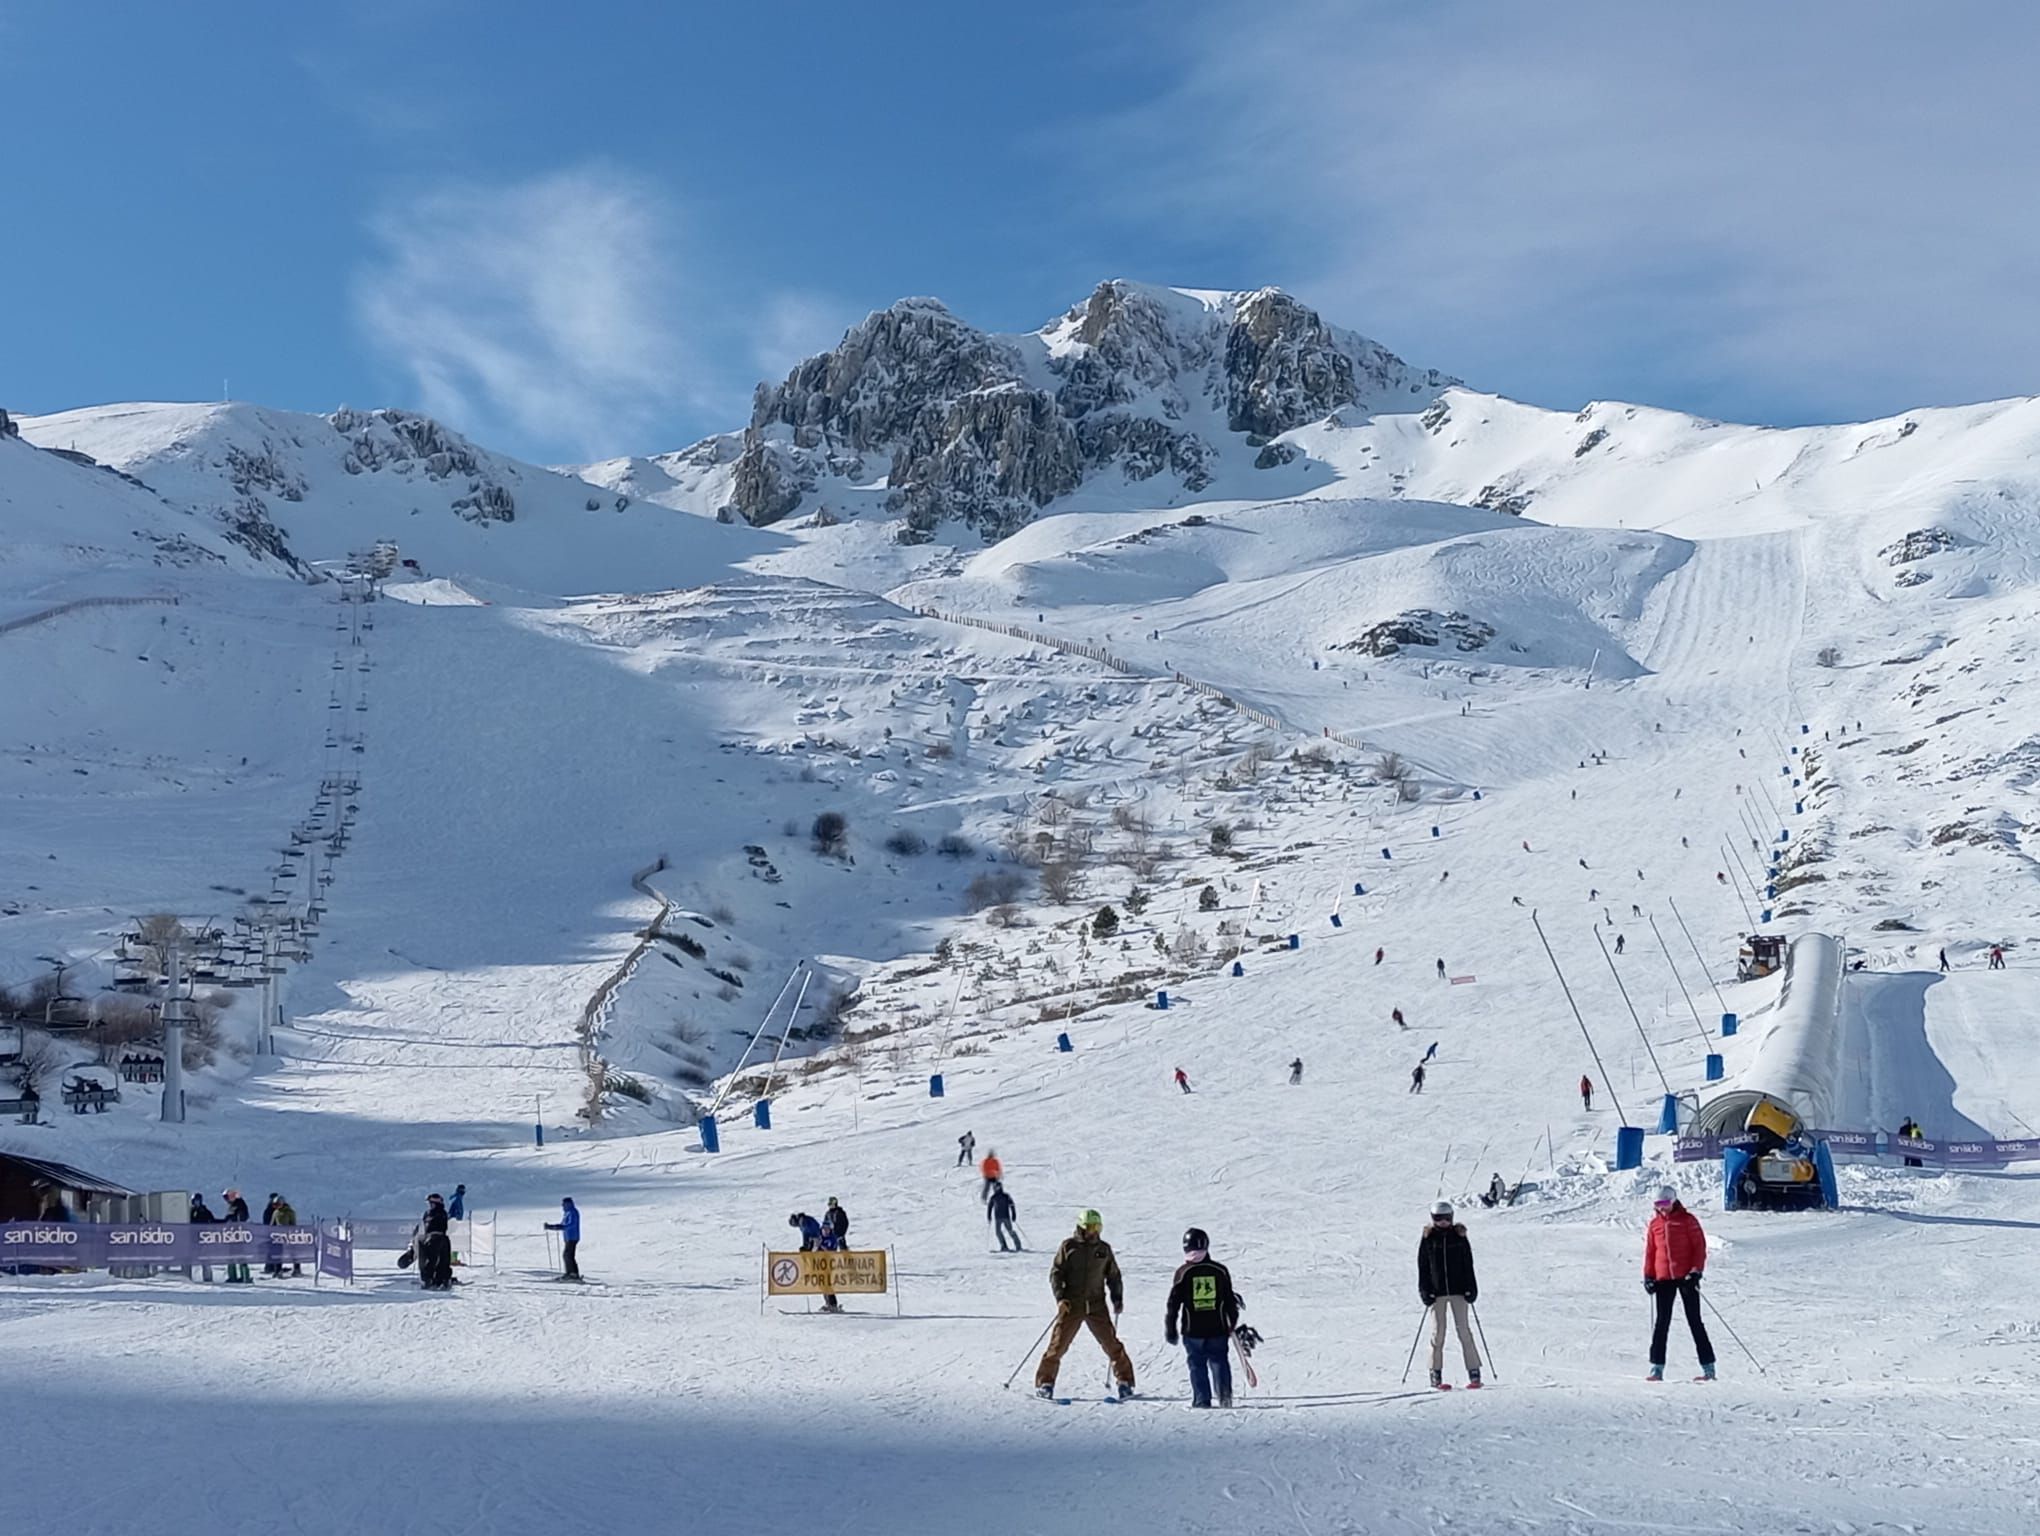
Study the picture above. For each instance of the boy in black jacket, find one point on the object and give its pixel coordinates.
(1446, 1283)
(1203, 1296)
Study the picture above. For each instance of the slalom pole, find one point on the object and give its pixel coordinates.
(1026, 1357)
(1731, 1332)
(1673, 966)
(1719, 1002)
(1619, 987)
(1413, 1346)
(1442, 1167)
(1581, 1018)
(1486, 1353)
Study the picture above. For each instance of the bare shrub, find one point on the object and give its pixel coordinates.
(941, 751)
(831, 832)
(1221, 837)
(906, 844)
(727, 993)
(991, 888)
(1131, 818)
(721, 913)
(954, 845)
(1004, 915)
(1059, 880)
(40, 1061)
(1829, 656)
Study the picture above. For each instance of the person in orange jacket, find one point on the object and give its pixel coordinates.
(1674, 1254)
(990, 1168)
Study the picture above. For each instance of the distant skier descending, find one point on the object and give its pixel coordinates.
(1400, 1021)
(1084, 1279)
(1417, 1078)
(991, 1170)
(1001, 1212)
(966, 1148)
(1433, 1051)
(1378, 954)
(1441, 970)
(1182, 1080)
(1586, 1091)
(1296, 1072)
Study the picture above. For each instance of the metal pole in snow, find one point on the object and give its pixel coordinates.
(1696, 952)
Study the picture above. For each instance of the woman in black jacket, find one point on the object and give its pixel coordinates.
(1446, 1282)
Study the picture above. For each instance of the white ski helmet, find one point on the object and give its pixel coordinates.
(1441, 1209)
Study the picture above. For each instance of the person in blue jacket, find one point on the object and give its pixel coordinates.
(569, 1229)
(814, 1236)
(457, 1206)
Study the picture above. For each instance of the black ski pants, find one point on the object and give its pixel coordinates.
(568, 1266)
(1687, 1291)
(1002, 1229)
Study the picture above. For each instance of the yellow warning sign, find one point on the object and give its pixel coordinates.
(843, 1272)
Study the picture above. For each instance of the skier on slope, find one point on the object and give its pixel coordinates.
(966, 1147)
(1497, 1192)
(1182, 1080)
(1203, 1299)
(569, 1229)
(1944, 962)
(1084, 1277)
(814, 1237)
(1441, 970)
(1417, 1078)
(1001, 1212)
(836, 1224)
(1674, 1254)
(1997, 957)
(236, 1211)
(1296, 1072)
(1619, 943)
(1400, 1021)
(991, 1170)
(1378, 953)
(1433, 1051)
(1586, 1092)
(1445, 1281)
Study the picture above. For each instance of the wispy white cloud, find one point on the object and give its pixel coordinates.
(544, 312)
(1806, 209)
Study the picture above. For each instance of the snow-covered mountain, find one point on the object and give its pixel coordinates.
(1161, 388)
(295, 490)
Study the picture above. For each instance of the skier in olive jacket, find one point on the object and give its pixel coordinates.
(1446, 1283)
(1203, 1298)
(1674, 1254)
(1084, 1277)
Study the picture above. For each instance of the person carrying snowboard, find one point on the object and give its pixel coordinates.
(1202, 1301)
(1296, 1072)
(434, 1247)
(991, 1170)
(1417, 1078)
(1446, 1282)
(1000, 1211)
(1084, 1278)
(1674, 1254)
(569, 1229)
(1586, 1092)
(966, 1146)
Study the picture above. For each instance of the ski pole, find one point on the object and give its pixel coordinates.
(1026, 1357)
(1413, 1347)
(1485, 1351)
(1731, 1332)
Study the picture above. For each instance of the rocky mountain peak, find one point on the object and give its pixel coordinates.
(987, 430)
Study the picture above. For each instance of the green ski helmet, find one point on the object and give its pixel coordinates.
(1090, 1219)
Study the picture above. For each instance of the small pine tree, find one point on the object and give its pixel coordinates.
(1136, 901)
(1106, 923)
(1207, 899)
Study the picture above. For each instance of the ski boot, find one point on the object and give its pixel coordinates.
(1473, 1380)
(1657, 1373)
(1125, 1390)
(1706, 1371)
(1225, 1400)
(1046, 1394)
(1438, 1382)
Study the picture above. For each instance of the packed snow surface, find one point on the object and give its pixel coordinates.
(1628, 691)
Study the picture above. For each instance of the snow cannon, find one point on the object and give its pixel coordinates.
(1786, 1169)
(1760, 955)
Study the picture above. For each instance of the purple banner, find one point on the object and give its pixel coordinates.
(336, 1253)
(1987, 1151)
(82, 1245)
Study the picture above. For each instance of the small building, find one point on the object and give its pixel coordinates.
(28, 1183)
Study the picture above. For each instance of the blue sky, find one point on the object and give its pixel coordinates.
(585, 230)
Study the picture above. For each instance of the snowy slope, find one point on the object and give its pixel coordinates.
(529, 747)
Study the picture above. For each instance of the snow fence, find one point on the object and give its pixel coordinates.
(1798, 1063)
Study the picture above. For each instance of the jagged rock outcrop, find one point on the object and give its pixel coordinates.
(987, 430)
(1423, 628)
(403, 441)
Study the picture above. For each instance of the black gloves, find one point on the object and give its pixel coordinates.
(1472, 1296)
(1694, 1279)
(1168, 1336)
(1246, 1338)
(1427, 1296)
(1650, 1287)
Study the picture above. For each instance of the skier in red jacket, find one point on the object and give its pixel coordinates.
(1674, 1254)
